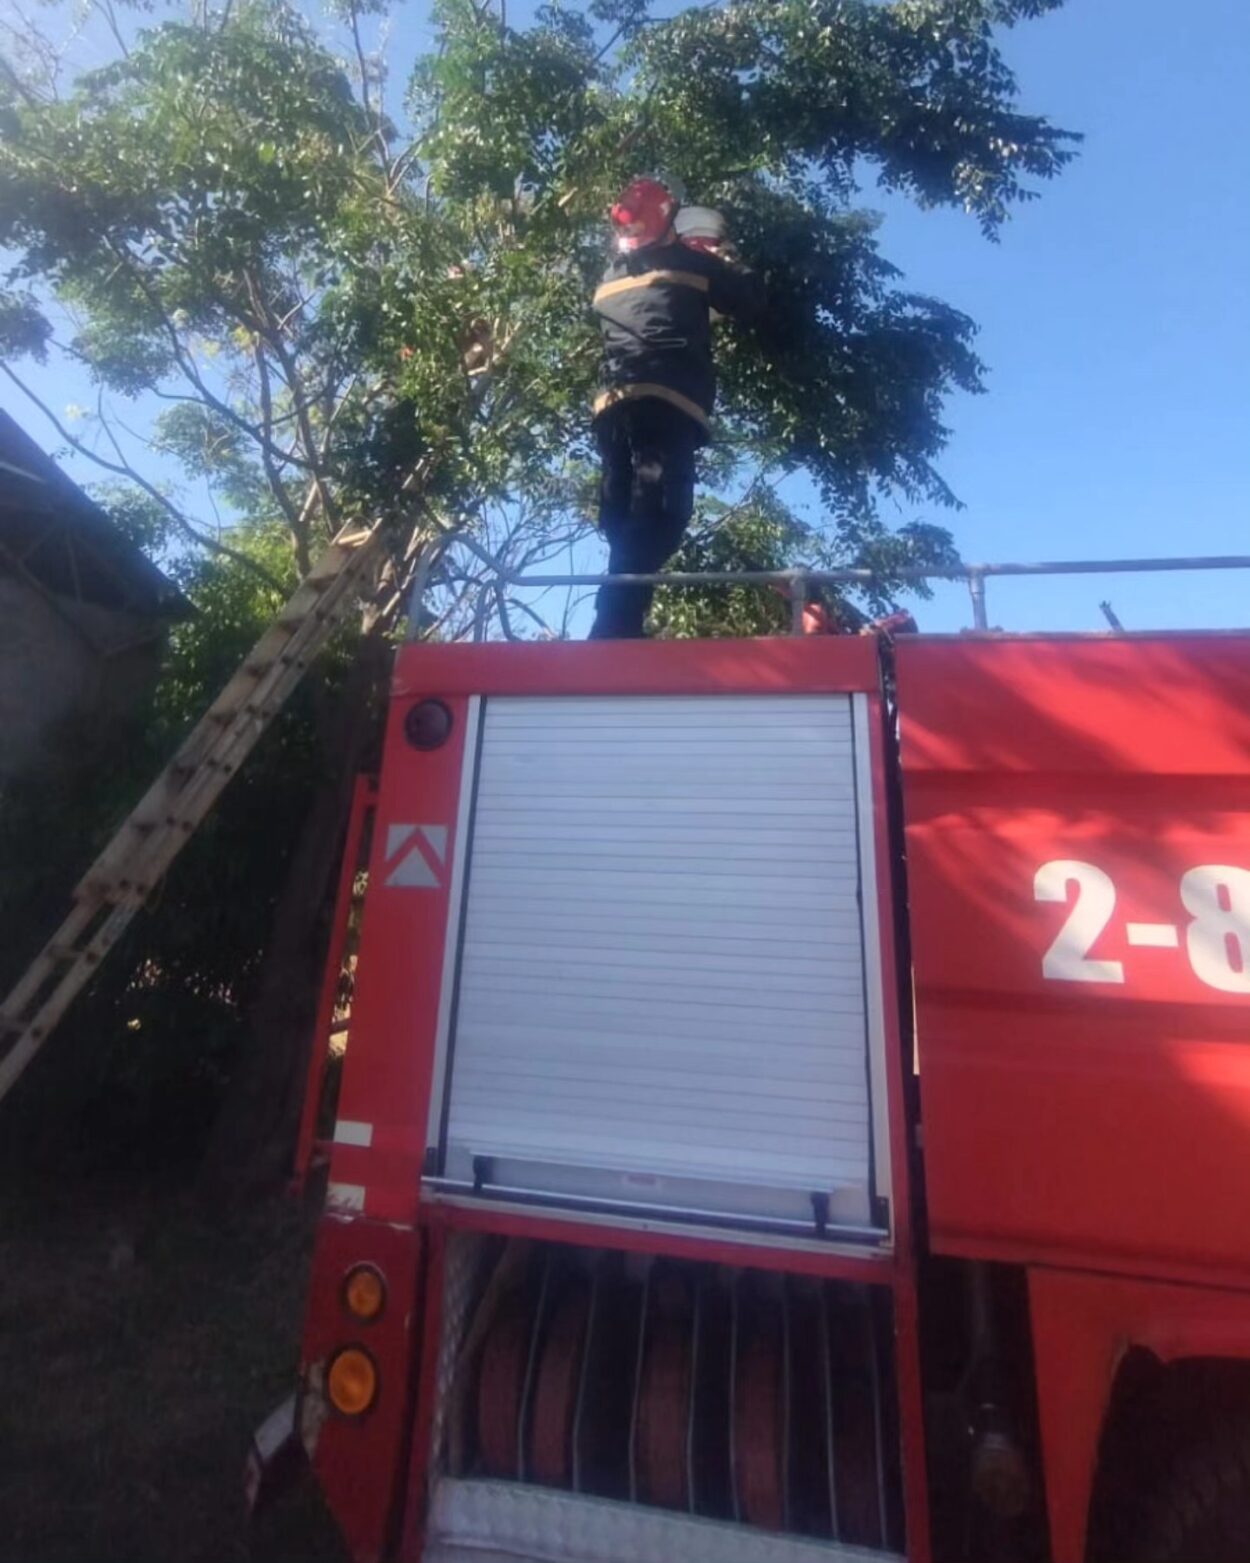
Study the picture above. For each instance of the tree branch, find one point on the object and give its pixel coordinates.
(42, 50)
(505, 622)
(336, 410)
(295, 518)
(183, 359)
(22, 88)
(104, 7)
(524, 607)
(125, 470)
(366, 96)
(273, 335)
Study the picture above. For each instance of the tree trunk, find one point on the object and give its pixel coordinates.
(251, 1148)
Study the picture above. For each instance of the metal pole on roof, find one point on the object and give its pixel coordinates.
(976, 590)
(798, 602)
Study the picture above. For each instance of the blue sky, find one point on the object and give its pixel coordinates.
(1115, 322)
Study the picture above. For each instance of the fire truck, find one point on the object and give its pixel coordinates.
(796, 1107)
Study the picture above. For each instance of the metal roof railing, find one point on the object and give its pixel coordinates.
(797, 581)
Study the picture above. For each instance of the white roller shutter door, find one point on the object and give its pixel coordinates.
(661, 989)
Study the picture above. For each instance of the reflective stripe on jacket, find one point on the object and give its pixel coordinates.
(653, 308)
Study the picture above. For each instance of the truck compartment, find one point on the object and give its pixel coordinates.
(623, 1407)
(663, 991)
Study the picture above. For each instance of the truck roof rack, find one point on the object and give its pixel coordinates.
(799, 581)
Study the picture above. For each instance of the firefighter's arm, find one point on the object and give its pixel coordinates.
(748, 298)
(735, 291)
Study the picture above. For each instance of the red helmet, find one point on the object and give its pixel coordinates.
(643, 214)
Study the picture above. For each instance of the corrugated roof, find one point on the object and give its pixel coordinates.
(54, 534)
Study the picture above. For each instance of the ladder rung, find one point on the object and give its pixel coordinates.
(97, 890)
(67, 954)
(60, 953)
(113, 892)
(336, 556)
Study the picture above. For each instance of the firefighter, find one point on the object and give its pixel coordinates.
(654, 307)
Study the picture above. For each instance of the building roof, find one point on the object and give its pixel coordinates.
(64, 543)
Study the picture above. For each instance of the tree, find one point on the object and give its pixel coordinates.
(238, 229)
(308, 292)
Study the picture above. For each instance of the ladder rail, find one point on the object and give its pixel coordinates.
(230, 726)
(276, 663)
(71, 929)
(137, 873)
(35, 1032)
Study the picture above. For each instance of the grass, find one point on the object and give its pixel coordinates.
(141, 1341)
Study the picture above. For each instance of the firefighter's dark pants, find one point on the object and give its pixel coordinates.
(646, 497)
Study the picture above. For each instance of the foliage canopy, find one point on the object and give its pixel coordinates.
(237, 223)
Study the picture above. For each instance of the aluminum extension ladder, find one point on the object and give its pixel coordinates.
(130, 867)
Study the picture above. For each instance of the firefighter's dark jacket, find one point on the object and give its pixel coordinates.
(653, 308)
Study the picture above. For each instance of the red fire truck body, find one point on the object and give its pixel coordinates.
(727, 1015)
